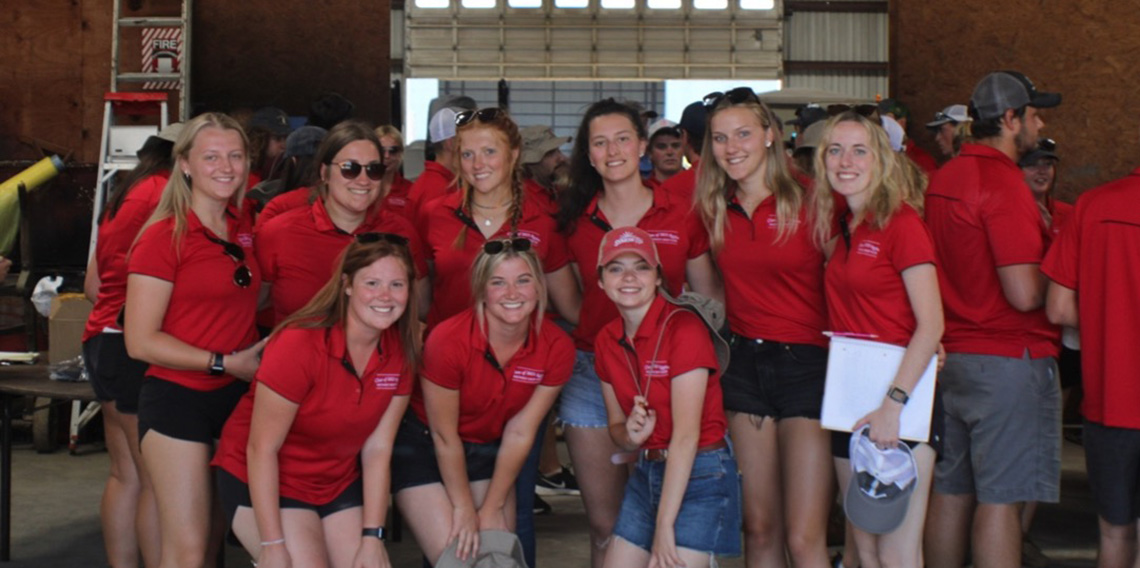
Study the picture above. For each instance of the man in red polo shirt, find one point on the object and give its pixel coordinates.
(901, 113)
(1002, 445)
(438, 177)
(1094, 268)
(666, 148)
(692, 129)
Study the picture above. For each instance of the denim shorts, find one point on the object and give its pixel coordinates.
(710, 518)
(773, 379)
(582, 405)
(1003, 428)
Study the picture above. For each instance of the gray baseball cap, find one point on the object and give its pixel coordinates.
(1004, 90)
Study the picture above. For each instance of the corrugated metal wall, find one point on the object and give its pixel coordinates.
(838, 37)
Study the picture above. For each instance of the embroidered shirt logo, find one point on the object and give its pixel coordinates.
(245, 239)
(657, 369)
(528, 376)
(534, 238)
(868, 248)
(386, 381)
(665, 237)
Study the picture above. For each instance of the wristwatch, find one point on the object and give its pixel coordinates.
(217, 364)
(898, 395)
(377, 532)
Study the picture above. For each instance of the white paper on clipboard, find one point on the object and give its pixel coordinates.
(859, 374)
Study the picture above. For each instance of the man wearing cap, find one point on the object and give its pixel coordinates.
(666, 148)
(1002, 445)
(544, 164)
(438, 176)
(806, 116)
(1094, 272)
(901, 113)
(946, 130)
(692, 129)
(267, 131)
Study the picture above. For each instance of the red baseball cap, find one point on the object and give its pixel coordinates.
(627, 239)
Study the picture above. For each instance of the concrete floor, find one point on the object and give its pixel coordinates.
(55, 517)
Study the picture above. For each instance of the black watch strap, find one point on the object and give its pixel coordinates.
(377, 532)
(898, 395)
(217, 364)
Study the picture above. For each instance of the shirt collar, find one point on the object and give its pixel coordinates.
(650, 327)
(324, 222)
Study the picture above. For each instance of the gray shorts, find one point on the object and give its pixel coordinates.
(1003, 429)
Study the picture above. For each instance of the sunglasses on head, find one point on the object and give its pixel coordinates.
(484, 115)
(243, 277)
(390, 238)
(393, 150)
(864, 110)
(497, 246)
(735, 96)
(350, 169)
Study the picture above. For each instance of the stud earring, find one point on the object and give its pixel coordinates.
(768, 144)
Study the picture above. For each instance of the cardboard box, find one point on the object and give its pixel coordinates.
(66, 322)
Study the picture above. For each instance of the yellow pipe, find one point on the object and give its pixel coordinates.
(33, 177)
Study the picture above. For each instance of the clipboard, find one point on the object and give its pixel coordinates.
(859, 373)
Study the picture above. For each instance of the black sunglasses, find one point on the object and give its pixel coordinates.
(390, 238)
(864, 110)
(350, 169)
(497, 246)
(484, 115)
(735, 96)
(243, 277)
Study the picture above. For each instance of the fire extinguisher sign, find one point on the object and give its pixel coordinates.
(161, 53)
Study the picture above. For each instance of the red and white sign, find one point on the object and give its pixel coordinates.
(161, 53)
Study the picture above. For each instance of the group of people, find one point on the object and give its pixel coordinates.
(349, 335)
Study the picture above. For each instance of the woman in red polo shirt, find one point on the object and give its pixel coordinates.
(491, 204)
(756, 216)
(660, 381)
(297, 250)
(116, 377)
(880, 280)
(191, 299)
(332, 386)
(606, 190)
(491, 373)
(394, 187)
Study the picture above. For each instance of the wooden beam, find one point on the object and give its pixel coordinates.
(817, 66)
(792, 6)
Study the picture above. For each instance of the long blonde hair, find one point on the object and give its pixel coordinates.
(175, 200)
(329, 306)
(484, 267)
(890, 184)
(714, 186)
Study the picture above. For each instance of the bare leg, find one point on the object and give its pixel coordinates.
(427, 510)
(755, 443)
(121, 494)
(948, 529)
(180, 471)
(622, 554)
(1117, 545)
(602, 484)
(146, 514)
(342, 536)
(302, 529)
(805, 454)
(997, 536)
(902, 548)
(548, 461)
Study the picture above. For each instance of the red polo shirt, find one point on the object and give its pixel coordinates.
(541, 195)
(685, 346)
(789, 306)
(434, 182)
(298, 251)
(457, 356)
(1061, 213)
(683, 183)
(451, 283)
(287, 201)
(921, 157)
(206, 309)
(676, 230)
(397, 201)
(1098, 255)
(336, 412)
(116, 235)
(865, 289)
(982, 216)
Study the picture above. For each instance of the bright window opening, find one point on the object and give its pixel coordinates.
(710, 4)
(757, 4)
(617, 4)
(524, 3)
(433, 3)
(479, 3)
(571, 3)
(663, 4)
(680, 93)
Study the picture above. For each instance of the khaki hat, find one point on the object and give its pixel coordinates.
(537, 141)
(497, 549)
(171, 132)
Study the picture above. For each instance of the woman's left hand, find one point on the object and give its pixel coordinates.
(664, 552)
(244, 363)
(493, 519)
(884, 423)
(371, 554)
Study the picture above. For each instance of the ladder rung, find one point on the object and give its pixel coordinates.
(135, 97)
(154, 22)
(148, 77)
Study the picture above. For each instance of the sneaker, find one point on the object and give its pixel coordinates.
(561, 483)
(541, 507)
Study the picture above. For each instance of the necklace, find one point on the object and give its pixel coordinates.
(487, 222)
(477, 204)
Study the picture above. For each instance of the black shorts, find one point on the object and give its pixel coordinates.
(414, 462)
(1112, 456)
(234, 493)
(779, 380)
(1069, 365)
(115, 377)
(184, 413)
